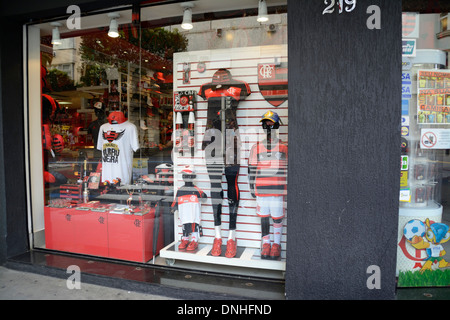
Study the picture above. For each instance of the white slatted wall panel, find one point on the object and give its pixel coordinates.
(242, 63)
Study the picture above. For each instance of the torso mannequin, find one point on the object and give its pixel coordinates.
(117, 140)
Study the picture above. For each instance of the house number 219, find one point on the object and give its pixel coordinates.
(349, 5)
(373, 22)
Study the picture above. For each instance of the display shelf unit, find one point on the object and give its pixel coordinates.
(245, 257)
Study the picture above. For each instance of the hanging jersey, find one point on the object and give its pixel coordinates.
(271, 168)
(117, 142)
(187, 201)
(223, 86)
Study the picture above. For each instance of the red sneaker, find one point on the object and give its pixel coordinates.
(183, 244)
(265, 251)
(192, 246)
(275, 252)
(217, 247)
(231, 249)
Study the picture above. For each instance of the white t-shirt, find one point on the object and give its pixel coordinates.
(117, 142)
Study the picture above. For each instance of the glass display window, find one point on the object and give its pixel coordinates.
(423, 233)
(156, 144)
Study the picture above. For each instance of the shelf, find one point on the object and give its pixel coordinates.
(245, 257)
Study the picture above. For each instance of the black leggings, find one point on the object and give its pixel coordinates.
(215, 176)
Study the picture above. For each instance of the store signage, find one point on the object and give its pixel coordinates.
(405, 126)
(403, 178)
(406, 91)
(184, 100)
(406, 85)
(405, 120)
(406, 78)
(404, 163)
(405, 107)
(410, 25)
(405, 195)
(405, 131)
(435, 138)
(406, 64)
(273, 82)
(433, 96)
(409, 47)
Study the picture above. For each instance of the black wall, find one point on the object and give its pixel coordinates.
(344, 117)
(13, 210)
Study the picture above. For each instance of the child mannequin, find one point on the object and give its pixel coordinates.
(187, 202)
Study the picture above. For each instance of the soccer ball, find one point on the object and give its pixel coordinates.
(414, 228)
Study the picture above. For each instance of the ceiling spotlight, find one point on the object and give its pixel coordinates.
(113, 25)
(262, 11)
(56, 37)
(187, 15)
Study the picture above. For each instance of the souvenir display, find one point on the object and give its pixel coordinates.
(184, 108)
(240, 166)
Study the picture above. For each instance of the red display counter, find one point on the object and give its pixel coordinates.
(91, 233)
(60, 229)
(132, 237)
(125, 236)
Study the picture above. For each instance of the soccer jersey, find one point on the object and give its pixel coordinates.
(222, 85)
(187, 201)
(117, 142)
(271, 168)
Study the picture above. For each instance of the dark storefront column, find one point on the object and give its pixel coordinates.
(344, 111)
(13, 204)
(2, 175)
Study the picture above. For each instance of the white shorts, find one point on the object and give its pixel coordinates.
(271, 206)
(190, 216)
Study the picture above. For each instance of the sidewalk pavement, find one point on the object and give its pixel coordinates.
(18, 285)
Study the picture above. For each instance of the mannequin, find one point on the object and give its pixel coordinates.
(223, 94)
(95, 125)
(267, 167)
(117, 140)
(187, 202)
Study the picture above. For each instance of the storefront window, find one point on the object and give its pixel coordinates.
(162, 145)
(424, 219)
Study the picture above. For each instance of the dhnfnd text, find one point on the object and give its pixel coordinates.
(239, 309)
(246, 309)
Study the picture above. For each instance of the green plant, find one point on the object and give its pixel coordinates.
(59, 80)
